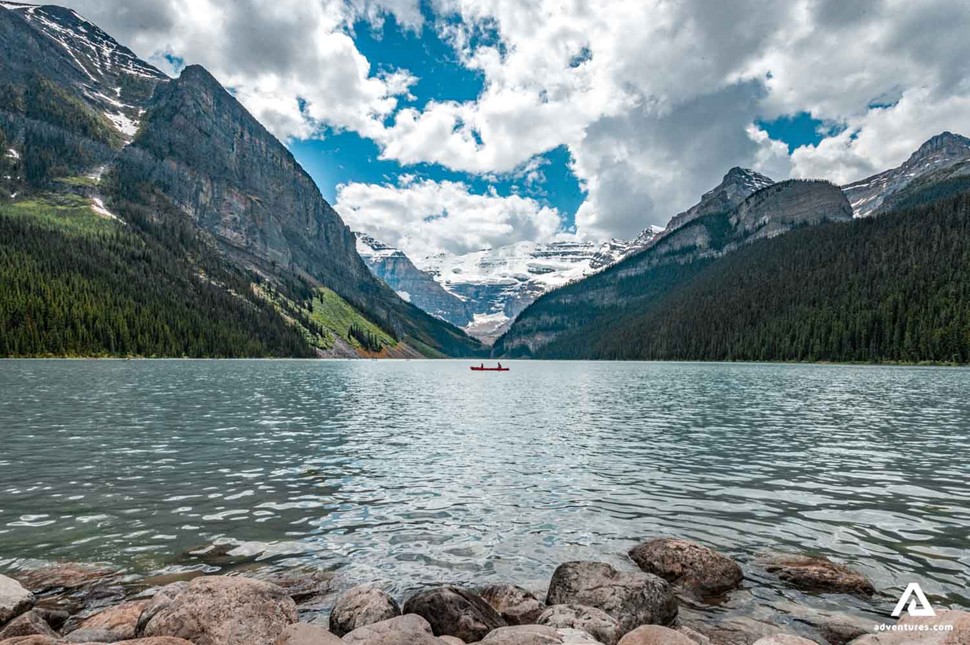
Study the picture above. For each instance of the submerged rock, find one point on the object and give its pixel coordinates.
(359, 606)
(818, 574)
(516, 605)
(455, 612)
(655, 635)
(218, 610)
(596, 622)
(538, 635)
(692, 567)
(633, 599)
(65, 575)
(784, 639)
(15, 599)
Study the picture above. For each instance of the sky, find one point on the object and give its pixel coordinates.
(455, 125)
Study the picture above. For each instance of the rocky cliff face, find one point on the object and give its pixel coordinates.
(204, 151)
(209, 157)
(942, 157)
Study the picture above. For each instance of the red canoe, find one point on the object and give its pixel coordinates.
(489, 369)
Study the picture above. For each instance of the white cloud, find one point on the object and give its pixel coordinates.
(293, 63)
(654, 100)
(426, 217)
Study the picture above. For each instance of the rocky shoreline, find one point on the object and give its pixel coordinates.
(667, 596)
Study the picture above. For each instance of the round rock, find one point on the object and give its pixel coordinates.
(538, 635)
(305, 634)
(455, 612)
(119, 621)
(655, 635)
(596, 622)
(15, 599)
(359, 606)
(692, 567)
(516, 605)
(784, 639)
(633, 599)
(817, 574)
(409, 629)
(31, 623)
(220, 610)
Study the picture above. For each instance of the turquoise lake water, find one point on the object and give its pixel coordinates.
(416, 472)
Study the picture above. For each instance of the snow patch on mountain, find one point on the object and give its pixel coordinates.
(868, 195)
(491, 286)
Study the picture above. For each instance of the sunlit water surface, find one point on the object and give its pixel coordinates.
(422, 471)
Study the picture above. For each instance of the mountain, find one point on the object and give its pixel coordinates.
(192, 178)
(483, 291)
(944, 158)
(894, 288)
(734, 188)
(768, 212)
(411, 283)
(107, 74)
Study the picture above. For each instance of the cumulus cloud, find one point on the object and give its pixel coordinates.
(424, 217)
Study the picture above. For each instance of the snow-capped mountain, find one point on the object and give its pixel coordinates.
(411, 283)
(113, 79)
(944, 155)
(489, 288)
(735, 187)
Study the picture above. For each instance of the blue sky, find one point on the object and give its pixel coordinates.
(334, 158)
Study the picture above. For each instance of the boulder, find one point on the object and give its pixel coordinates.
(304, 634)
(784, 639)
(409, 629)
(689, 566)
(537, 635)
(633, 599)
(958, 634)
(120, 621)
(156, 640)
(219, 610)
(694, 635)
(90, 636)
(65, 575)
(451, 640)
(31, 640)
(597, 623)
(817, 574)
(31, 623)
(655, 635)
(15, 599)
(455, 612)
(516, 605)
(359, 606)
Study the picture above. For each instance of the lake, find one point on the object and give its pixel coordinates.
(415, 472)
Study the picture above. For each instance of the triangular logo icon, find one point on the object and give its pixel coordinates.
(918, 604)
